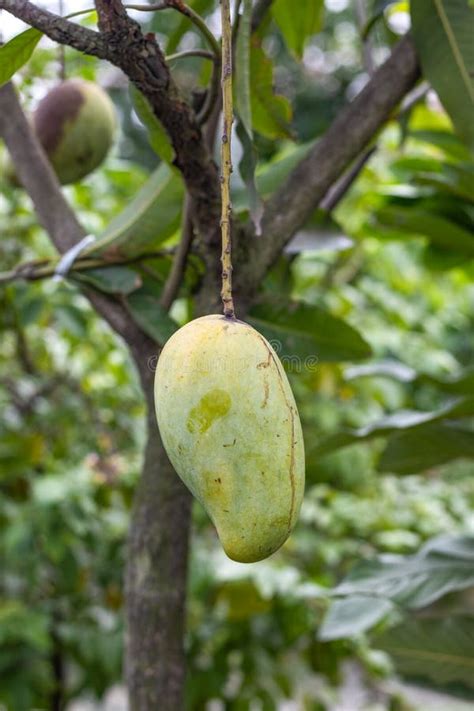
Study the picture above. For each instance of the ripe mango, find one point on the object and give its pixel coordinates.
(75, 123)
(230, 426)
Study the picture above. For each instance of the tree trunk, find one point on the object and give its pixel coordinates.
(156, 575)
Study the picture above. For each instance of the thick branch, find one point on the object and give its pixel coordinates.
(354, 128)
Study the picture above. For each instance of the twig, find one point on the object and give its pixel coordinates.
(43, 269)
(154, 7)
(178, 267)
(190, 53)
(187, 11)
(334, 196)
(226, 160)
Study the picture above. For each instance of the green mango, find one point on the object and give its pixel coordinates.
(75, 123)
(231, 429)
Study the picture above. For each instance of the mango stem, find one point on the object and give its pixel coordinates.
(226, 160)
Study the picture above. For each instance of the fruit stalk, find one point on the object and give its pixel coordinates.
(226, 160)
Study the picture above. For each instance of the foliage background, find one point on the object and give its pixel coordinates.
(71, 426)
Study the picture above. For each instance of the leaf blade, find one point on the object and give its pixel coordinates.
(15, 53)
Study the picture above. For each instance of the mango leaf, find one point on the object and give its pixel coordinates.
(435, 649)
(447, 141)
(248, 163)
(150, 316)
(271, 113)
(271, 175)
(442, 32)
(440, 231)
(149, 219)
(353, 615)
(452, 179)
(443, 565)
(300, 332)
(247, 167)
(242, 68)
(461, 383)
(157, 136)
(386, 368)
(15, 53)
(111, 280)
(401, 420)
(425, 447)
(297, 21)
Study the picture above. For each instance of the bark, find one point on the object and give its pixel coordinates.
(156, 575)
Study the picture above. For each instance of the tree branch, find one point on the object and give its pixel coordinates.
(292, 204)
(175, 278)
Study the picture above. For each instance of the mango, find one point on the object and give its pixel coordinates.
(75, 123)
(231, 429)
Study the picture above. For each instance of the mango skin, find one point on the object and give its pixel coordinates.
(231, 429)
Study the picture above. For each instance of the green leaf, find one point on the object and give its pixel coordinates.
(353, 615)
(387, 368)
(150, 316)
(15, 53)
(457, 180)
(248, 163)
(270, 176)
(242, 68)
(157, 136)
(446, 140)
(442, 31)
(440, 231)
(460, 384)
(247, 167)
(300, 332)
(149, 219)
(297, 21)
(439, 650)
(425, 447)
(401, 420)
(111, 280)
(271, 113)
(443, 565)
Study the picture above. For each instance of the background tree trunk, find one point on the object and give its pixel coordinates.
(156, 573)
